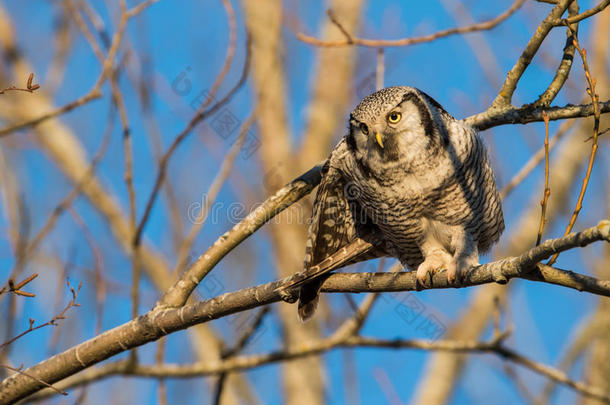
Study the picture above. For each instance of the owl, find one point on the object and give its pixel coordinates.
(407, 181)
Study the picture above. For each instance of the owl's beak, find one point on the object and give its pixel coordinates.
(379, 139)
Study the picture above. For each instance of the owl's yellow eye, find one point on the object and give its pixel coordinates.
(364, 129)
(394, 117)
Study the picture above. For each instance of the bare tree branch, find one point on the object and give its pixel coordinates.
(162, 321)
(376, 43)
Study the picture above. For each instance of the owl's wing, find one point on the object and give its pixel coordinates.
(332, 224)
(340, 233)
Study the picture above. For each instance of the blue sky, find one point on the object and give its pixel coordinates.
(190, 38)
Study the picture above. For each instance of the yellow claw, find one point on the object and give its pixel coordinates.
(379, 139)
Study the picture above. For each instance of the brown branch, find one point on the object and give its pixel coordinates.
(212, 193)
(282, 199)
(376, 43)
(18, 370)
(201, 115)
(162, 321)
(16, 288)
(574, 19)
(242, 363)
(95, 92)
(563, 70)
(505, 95)
(91, 95)
(596, 116)
(239, 345)
(547, 190)
(535, 159)
(333, 19)
(66, 202)
(53, 321)
(29, 87)
(528, 113)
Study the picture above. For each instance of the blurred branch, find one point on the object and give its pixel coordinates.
(15, 288)
(324, 345)
(239, 345)
(53, 321)
(212, 193)
(201, 115)
(29, 87)
(353, 40)
(282, 199)
(536, 158)
(95, 92)
(332, 88)
(66, 150)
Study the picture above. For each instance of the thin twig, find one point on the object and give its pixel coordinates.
(95, 91)
(377, 43)
(29, 87)
(535, 159)
(547, 190)
(212, 193)
(18, 370)
(239, 345)
(574, 19)
(200, 116)
(596, 116)
(53, 321)
(66, 202)
(16, 288)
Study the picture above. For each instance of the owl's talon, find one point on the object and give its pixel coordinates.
(435, 261)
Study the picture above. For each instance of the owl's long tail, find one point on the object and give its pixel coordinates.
(311, 279)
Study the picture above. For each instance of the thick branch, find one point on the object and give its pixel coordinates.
(494, 117)
(160, 322)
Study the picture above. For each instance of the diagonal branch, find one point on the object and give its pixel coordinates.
(163, 321)
(282, 199)
(505, 95)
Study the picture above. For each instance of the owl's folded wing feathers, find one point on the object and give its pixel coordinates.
(339, 234)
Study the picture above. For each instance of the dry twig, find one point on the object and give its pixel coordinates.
(17, 288)
(547, 190)
(381, 43)
(596, 116)
(29, 87)
(53, 321)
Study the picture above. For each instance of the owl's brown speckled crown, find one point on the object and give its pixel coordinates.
(381, 101)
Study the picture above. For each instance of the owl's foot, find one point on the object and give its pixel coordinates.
(435, 261)
(465, 264)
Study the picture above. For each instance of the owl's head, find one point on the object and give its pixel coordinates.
(396, 125)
